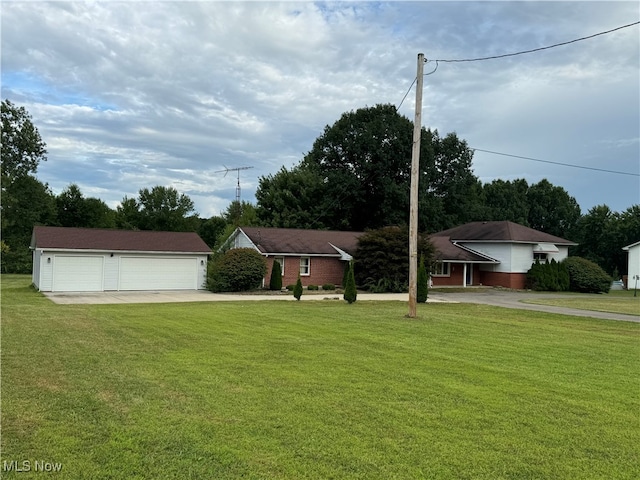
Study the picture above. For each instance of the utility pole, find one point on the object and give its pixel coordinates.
(227, 170)
(413, 208)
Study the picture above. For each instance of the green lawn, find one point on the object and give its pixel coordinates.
(317, 390)
(616, 301)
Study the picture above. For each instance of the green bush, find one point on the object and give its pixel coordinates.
(297, 290)
(586, 276)
(328, 286)
(275, 282)
(350, 291)
(236, 270)
(548, 277)
(290, 287)
(313, 287)
(423, 282)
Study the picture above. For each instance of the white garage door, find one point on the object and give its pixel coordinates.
(158, 273)
(77, 273)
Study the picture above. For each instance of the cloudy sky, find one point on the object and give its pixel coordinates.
(129, 95)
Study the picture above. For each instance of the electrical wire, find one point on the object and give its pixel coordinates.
(555, 163)
(536, 49)
(405, 95)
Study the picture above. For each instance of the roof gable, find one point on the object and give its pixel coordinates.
(66, 238)
(301, 241)
(501, 231)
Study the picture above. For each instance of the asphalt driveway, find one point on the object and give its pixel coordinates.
(486, 296)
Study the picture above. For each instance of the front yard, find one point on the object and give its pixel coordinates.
(291, 390)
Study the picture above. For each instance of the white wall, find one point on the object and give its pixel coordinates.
(634, 266)
(513, 257)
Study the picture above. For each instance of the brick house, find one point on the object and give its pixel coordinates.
(492, 253)
(318, 256)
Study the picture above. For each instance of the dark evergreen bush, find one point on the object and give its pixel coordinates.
(275, 282)
(236, 270)
(350, 291)
(586, 276)
(297, 290)
(328, 286)
(548, 277)
(423, 282)
(313, 287)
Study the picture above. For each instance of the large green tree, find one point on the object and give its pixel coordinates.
(159, 208)
(357, 176)
(506, 200)
(22, 146)
(552, 210)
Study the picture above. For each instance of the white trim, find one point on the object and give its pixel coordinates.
(308, 265)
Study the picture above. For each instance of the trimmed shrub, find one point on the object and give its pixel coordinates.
(297, 290)
(423, 282)
(290, 287)
(586, 276)
(549, 276)
(275, 282)
(313, 287)
(237, 270)
(328, 286)
(350, 291)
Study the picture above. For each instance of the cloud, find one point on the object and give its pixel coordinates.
(127, 96)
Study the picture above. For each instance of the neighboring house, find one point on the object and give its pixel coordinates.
(492, 253)
(87, 259)
(318, 256)
(634, 265)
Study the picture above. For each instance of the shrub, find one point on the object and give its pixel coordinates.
(275, 282)
(290, 287)
(328, 286)
(549, 276)
(382, 258)
(236, 270)
(350, 292)
(313, 287)
(297, 290)
(586, 276)
(423, 282)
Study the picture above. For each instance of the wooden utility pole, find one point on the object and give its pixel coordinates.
(413, 208)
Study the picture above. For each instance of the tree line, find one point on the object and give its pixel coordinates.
(355, 177)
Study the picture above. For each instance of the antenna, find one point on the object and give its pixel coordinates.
(237, 169)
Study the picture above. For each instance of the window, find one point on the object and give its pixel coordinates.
(305, 263)
(440, 269)
(541, 257)
(280, 260)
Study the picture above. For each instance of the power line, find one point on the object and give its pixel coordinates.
(536, 49)
(555, 163)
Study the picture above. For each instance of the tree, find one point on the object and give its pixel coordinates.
(297, 290)
(275, 282)
(422, 290)
(22, 146)
(240, 214)
(165, 209)
(552, 210)
(25, 202)
(128, 214)
(211, 230)
(382, 259)
(506, 200)
(350, 291)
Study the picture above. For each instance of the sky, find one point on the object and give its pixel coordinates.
(130, 95)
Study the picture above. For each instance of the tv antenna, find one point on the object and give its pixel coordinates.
(237, 169)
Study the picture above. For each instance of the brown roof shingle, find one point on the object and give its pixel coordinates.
(117, 240)
(301, 241)
(500, 231)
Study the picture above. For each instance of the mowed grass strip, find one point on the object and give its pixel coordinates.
(289, 390)
(617, 301)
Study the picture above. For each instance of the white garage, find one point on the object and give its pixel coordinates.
(93, 260)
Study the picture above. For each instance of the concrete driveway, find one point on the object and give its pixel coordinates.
(486, 296)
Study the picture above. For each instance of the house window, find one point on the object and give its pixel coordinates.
(440, 269)
(305, 263)
(280, 260)
(541, 257)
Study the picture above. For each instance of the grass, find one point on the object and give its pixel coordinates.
(616, 301)
(316, 390)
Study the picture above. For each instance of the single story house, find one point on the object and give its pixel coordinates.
(319, 257)
(495, 253)
(633, 271)
(87, 259)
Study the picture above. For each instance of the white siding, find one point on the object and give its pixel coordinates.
(634, 266)
(242, 241)
(35, 274)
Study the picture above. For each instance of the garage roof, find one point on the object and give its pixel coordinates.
(66, 238)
